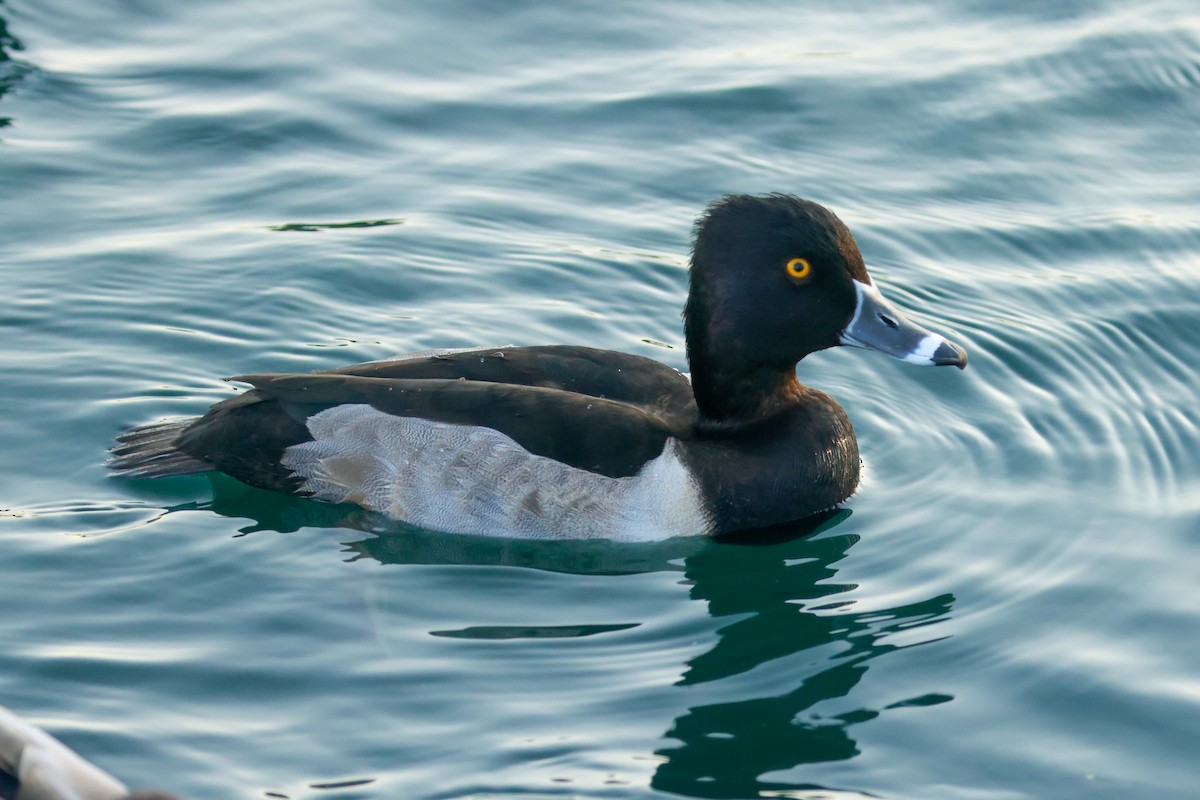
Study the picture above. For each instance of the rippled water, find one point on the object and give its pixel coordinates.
(1007, 609)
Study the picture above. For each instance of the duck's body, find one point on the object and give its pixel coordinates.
(576, 442)
(521, 441)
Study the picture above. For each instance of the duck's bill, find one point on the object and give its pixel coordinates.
(879, 325)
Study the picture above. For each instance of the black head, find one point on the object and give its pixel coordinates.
(744, 296)
(773, 279)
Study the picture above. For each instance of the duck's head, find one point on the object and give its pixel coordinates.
(773, 279)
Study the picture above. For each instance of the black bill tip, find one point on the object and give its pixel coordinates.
(949, 354)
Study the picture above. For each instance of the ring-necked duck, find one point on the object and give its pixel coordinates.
(36, 766)
(574, 442)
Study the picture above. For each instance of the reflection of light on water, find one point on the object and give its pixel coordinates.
(815, 794)
(85, 519)
(104, 653)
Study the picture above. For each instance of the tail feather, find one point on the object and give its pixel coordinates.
(149, 451)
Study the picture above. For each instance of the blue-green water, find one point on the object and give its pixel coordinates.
(1009, 609)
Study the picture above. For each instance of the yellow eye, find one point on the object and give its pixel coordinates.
(798, 269)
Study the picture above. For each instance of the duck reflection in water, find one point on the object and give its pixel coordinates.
(784, 606)
(777, 590)
(11, 69)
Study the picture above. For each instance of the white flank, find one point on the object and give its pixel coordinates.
(470, 479)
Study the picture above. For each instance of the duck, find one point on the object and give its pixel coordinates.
(36, 766)
(569, 441)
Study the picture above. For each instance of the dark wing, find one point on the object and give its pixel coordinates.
(246, 436)
(605, 436)
(585, 370)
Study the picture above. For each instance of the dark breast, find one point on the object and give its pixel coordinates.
(781, 469)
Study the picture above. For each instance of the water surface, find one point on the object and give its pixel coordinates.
(1007, 608)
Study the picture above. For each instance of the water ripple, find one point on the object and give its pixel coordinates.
(1021, 177)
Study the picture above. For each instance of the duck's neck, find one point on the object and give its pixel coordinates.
(731, 393)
